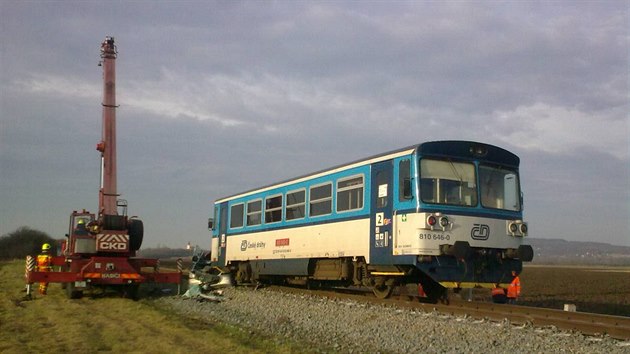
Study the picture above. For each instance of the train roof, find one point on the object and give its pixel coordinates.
(469, 149)
(450, 148)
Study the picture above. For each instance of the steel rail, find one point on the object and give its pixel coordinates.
(588, 323)
(617, 327)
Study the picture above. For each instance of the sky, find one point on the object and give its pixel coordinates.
(218, 97)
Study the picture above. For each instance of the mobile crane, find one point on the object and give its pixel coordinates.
(100, 250)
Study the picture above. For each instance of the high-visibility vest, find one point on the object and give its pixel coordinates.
(44, 262)
(514, 290)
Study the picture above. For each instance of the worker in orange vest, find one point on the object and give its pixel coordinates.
(514, 290)
(44, 264)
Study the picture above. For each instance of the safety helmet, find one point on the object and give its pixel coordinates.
(81, 221)
(46, 247)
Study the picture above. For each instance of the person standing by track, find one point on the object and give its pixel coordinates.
(514, 290)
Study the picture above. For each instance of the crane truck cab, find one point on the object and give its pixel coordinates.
(116, 234)
(79, 238)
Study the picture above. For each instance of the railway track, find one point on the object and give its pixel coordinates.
(587, 323)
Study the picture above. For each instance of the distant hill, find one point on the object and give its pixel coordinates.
(556, 251)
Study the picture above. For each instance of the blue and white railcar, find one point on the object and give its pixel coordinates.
(445, 214)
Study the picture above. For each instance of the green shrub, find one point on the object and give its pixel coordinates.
(24, 241)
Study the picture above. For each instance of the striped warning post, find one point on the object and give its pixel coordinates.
(30, 266)
(180, 266)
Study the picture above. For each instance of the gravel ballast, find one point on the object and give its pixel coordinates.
(333, 325)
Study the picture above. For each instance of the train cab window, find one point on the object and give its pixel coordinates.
(321, 200)
(236, 215)
(296, 205)
(404, 181)
(499, 188)
(254, 212)
(350, 194)
(273, 209)
(448, 182)
(215, 219)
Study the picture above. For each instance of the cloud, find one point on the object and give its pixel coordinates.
(220, 97)
(562, 130)
(60, 86)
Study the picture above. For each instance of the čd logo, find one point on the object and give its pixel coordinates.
(480, 232)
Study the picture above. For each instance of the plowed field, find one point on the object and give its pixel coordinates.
(602, 290)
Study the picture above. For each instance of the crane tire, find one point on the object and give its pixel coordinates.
(136, 233)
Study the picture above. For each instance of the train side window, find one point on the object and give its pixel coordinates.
(321, 200)
(381, 181)
(236, 215)
(273, 209)
(404, 181)
(296, 205)
(350, 193)
(254, 212)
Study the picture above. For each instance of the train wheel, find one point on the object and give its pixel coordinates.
(382, 291)
(244, 273)
(383, 288)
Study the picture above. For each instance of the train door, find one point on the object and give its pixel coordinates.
(381, 201)
(213, 225)
(223, 220)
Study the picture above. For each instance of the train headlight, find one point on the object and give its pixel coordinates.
(444, 221)
(479, 150)
(513, 228)
(517, 228)
(431, 220)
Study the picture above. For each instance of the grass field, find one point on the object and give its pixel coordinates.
(55, 324)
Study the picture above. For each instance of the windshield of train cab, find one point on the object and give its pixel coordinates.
(448, 182)
(499, 188)
(451, 182)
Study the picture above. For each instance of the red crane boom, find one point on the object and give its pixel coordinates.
(107, 146)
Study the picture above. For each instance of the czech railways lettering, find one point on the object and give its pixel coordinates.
(245, 245)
